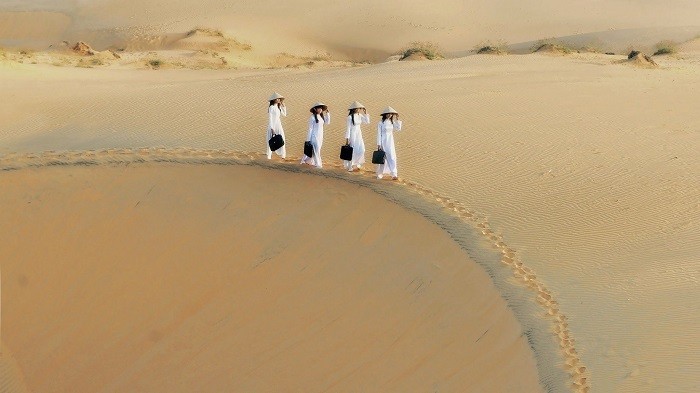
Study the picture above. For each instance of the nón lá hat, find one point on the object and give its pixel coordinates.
(356, 105)
(321, 104)
(275, 96)
(389, 110)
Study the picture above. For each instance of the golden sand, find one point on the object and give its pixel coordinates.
(570, 181)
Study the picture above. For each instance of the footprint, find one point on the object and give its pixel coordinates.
(571, 362)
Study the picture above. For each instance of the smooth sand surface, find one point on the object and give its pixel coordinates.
(166, 277)
(580, 172)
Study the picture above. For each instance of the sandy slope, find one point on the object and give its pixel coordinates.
(586, 168)
(583, 165)
(166, 277)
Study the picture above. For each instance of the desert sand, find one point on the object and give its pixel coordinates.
(551, 196)
(227, 278)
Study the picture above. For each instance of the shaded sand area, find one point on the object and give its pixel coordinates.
(179, 277)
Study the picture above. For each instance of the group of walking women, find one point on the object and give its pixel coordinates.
(320, 117)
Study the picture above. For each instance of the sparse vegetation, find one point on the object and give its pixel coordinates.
(155, 63)
(490, 48)
(551, 46)
(225, 44)
(665, 48)
(207, 31)
(83, 64)
(27, 54)
(428, 50)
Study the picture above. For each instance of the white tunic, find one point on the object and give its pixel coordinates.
(274, 122)
(315, 135)
(354, 135)
(385, 139)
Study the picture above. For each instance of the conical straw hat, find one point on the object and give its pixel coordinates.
(275, 96)
(321, 104)
(356, 105)
(388, 110)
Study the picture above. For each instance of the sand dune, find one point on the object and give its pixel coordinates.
(595, 200)
(242, 279)
(306, 28)
(691, 46)
(620, 41)
(572, 181)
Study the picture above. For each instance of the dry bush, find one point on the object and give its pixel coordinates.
(551, 45)
(488, 47)
(156, 63)
(665, 48)
(205, 30)
(430, 50)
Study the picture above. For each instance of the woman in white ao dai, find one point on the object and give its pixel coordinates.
(353, 135)
(388, 125)
(320, 116)
(275, 111)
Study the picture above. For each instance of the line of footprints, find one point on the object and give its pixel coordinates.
(522, 274)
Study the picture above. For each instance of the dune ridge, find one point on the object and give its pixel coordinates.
(523, 275)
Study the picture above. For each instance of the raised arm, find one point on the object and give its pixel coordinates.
(397, 125)
(364, 119)
(327, 117)
(283, 110)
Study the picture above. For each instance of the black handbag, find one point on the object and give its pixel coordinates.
(308, 149)
(346, 152)
(378, 157)
(276, 142)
